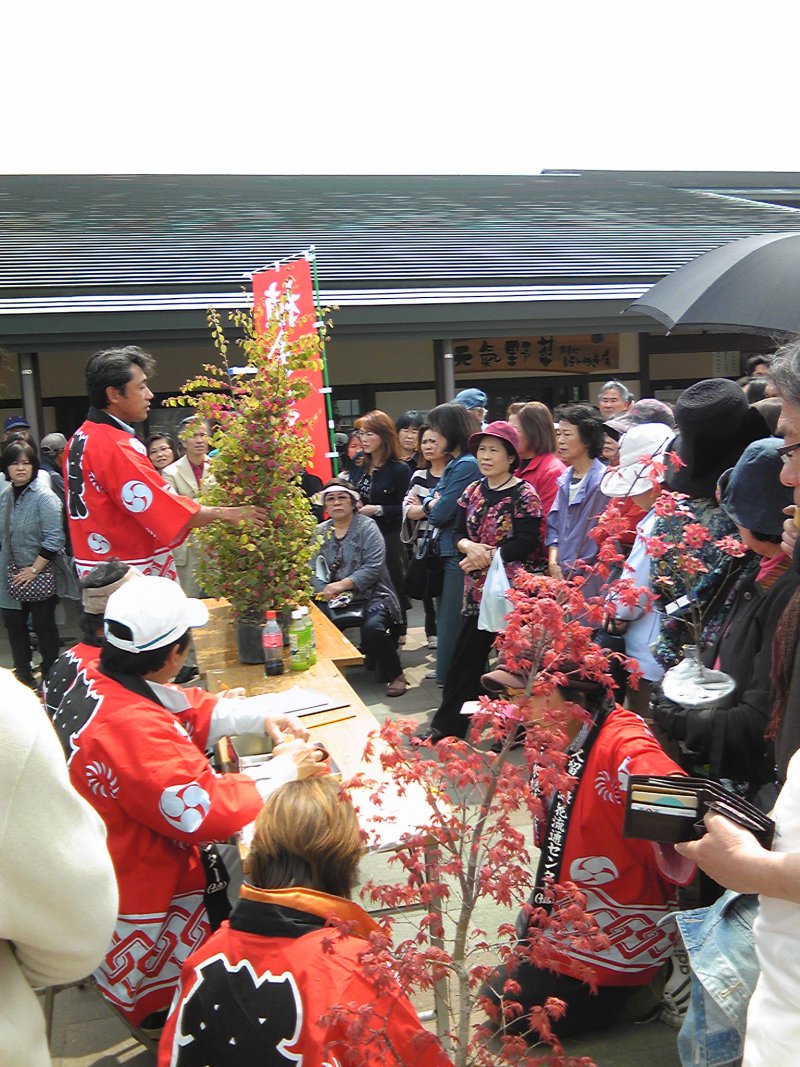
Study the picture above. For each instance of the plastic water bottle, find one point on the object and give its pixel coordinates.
(312, 639)
(272, 642)
(298, 642)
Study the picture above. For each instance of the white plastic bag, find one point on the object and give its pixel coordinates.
(494, 603)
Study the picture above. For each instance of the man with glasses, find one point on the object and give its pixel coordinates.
(785, 375)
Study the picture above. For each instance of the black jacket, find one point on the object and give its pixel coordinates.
(731, 739)
(389, 487)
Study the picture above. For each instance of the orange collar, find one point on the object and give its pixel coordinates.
(325, 905)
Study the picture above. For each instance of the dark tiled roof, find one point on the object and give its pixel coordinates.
(73, 235)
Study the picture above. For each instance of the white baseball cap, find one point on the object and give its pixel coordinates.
(155, 610)
(634, 473)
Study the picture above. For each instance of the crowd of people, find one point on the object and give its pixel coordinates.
(107, 519)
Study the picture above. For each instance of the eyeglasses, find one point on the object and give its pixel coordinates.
(787, 451)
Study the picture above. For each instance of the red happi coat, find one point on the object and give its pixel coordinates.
(117, 502)
(62, 677)
(626, 889)
(143, 768)
(257, 990)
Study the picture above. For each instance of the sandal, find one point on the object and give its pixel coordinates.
(397, 687)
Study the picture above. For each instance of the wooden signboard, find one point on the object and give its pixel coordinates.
(586, 354)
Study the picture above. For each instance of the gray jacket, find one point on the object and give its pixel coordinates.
(34, 522)
(363, 562)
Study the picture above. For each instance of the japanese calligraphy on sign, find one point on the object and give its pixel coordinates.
(592, 353)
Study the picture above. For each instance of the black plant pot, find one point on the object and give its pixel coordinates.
(248, 641)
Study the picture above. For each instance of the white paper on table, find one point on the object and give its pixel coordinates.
(294, 701)
(386, 823)
(395, 816)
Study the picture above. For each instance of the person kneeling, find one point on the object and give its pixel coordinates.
(263, 987)
(629, 884)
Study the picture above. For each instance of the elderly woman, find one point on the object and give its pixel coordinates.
(499, 512)
(32, 562)
(349, 569)
(580, 499)
(262, 988)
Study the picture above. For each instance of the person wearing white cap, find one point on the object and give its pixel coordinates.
(642, 456)
(140, 762)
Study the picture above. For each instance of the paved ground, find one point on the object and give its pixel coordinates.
(87, 1034)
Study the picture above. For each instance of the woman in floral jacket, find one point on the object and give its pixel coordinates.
(498, 512)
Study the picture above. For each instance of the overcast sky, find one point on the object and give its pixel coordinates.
(441, 87)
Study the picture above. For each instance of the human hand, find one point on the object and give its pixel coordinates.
(237, 693)
(24, 577)
(727, 853)
(308, 759)
(476, 555)
(790, 531)
(279, 726)
(415, 511)
(554, 570)
(247, 513)
(334, 589)
(369, 510)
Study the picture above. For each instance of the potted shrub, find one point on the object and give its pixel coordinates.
(258, 450)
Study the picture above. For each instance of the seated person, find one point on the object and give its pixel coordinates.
(97, 587)
(140, 762)
(629, 884)
(730, 740)
(351, 562)
(260, 989)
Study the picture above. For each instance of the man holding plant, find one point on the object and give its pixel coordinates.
(117, 503)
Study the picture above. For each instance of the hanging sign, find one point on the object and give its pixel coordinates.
(268, 285)
(585, 354)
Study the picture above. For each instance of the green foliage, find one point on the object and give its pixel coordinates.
(260, 453)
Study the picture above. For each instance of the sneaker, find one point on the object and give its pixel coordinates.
(432, 642)
(430, 674)
(677, 989)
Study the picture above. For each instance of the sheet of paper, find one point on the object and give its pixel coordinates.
(295, 701)
(386, 824)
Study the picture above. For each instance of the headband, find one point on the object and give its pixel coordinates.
(95, 600)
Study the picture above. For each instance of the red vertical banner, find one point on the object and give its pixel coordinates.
(294, 279)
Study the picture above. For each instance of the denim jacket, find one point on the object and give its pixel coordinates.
(719, 941)
(363, 562)
(34, 522)
(457, 475)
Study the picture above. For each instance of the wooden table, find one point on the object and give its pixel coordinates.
(343, 731)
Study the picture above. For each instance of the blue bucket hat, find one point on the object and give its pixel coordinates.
(752, 494)
(471, 398)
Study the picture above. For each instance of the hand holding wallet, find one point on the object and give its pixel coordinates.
(671, 808)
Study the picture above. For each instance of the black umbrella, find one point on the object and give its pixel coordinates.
(752, 285)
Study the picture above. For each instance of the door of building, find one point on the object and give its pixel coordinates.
(549, 390)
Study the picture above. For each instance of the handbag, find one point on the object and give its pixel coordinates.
(346, 613)
(425, 571)
(43, 586)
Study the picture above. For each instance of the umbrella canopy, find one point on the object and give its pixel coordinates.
(750, 285)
